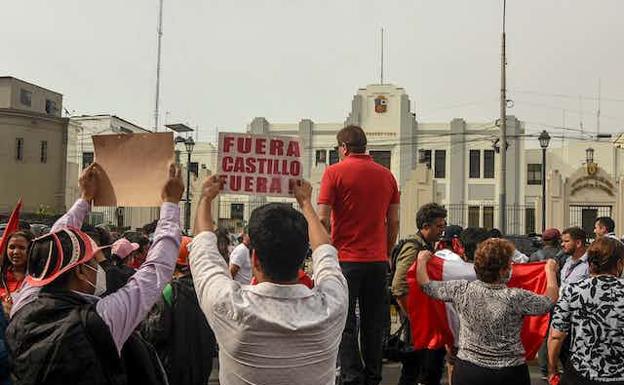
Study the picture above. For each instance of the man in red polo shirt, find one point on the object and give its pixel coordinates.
(362, 199)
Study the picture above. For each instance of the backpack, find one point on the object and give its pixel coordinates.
(394, 256)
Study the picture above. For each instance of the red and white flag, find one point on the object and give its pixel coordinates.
(435, 324)
(12, 225)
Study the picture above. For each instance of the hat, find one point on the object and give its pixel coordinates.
(451, 232)
(123, 247)
(551, 234)
(82, 250)
(184, 251)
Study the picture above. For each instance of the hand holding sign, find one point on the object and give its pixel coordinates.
(88, 182)
(174, 187)
(303, 192)
(211, 187)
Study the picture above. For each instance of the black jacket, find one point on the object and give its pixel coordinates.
(178, 329)
(59, 339)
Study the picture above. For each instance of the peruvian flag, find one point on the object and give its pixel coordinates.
(435, 324)
(12, 226)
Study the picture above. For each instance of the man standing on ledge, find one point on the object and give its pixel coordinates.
(362, 199)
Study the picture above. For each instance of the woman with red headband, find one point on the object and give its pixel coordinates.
(61, 331)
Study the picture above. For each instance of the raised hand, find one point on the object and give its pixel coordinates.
(88, 182)
(174, 187)
(211, 187)
(303, 192)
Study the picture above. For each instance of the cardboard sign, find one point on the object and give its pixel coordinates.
(135, 168)
(259, 164)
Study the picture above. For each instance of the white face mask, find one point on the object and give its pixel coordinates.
(100, 280)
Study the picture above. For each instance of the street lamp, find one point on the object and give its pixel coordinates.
(189, 143)
(544, 140)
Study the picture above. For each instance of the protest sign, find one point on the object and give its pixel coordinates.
(259, 164)
(135, 168)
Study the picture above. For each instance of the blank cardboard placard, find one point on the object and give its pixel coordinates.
(135, 168)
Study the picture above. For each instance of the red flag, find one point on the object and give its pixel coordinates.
(12, 225)
(434, 323)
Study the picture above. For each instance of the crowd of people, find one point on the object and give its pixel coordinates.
(156, 307)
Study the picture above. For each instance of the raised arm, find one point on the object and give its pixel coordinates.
(552, 288)
(211, 276)
(123, 310)
(78, 212)
(316, 231)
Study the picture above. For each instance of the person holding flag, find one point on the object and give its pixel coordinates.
(491, 315)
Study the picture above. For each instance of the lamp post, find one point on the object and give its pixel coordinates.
(189, 143)
(544, 140)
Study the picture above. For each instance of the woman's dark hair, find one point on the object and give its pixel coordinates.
(428, 213)
(279, 237)
(354, 138)
(604, 254)
(26, 234)
(492, 256)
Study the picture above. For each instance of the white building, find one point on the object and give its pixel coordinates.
(460, 155)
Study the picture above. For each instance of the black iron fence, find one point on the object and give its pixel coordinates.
(520, 218)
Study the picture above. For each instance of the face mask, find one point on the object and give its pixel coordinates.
(100, 280)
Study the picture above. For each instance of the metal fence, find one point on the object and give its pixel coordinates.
(233, 212)
(520, 218)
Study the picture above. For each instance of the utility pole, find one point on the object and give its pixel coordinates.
(160, 33)
(502, 198)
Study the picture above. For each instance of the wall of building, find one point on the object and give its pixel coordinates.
(41, 183)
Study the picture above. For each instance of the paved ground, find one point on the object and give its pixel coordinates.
(392, 371)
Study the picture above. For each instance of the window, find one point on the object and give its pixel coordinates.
(440, 164)
(475, 164)
(333, 157)
(424, 157)
(87, 159)
(529, 220)
(50, 107)
(19, 148)
(488, 163)
(194, 168)
(321, 157)
(382, 157)
(488, 217)
(534, 173)
(473, 216)
(25, 97)
(43, 156)
(237, 211)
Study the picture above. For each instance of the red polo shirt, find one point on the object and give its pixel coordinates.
(359, 192)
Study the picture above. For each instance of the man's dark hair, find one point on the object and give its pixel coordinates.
(576, 233)
(279, 237)
(471, 238)
(100, 236)
(354, 138)
(495, 233)
(607, 222)
(428, 213)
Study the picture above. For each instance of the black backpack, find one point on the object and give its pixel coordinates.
(394, 256)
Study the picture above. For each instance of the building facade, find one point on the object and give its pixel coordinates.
(453, 163)
(33, 148)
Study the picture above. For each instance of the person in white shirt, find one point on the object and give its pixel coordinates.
(278, 331)
(240, 261)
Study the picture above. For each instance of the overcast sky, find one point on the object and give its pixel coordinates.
(225, 62)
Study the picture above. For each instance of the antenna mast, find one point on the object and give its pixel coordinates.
(160, 33)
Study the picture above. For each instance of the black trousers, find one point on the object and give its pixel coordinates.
(423, 367)
(467, 373)
(571, 377)
(367, 289)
